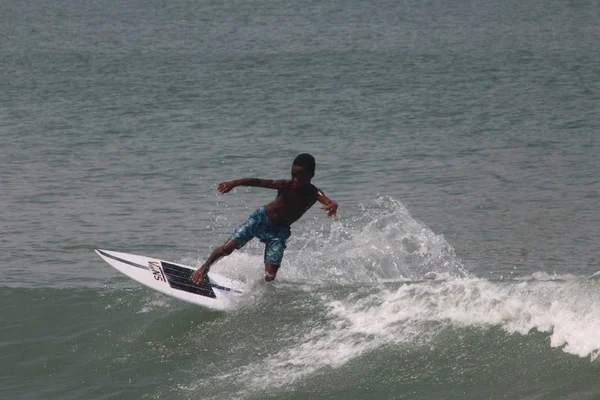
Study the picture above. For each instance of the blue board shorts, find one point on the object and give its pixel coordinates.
(259, 226)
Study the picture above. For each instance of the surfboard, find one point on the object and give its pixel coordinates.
(172, 279)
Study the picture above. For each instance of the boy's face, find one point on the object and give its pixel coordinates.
(300, 175)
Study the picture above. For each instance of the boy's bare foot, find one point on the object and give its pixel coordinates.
(199, 275)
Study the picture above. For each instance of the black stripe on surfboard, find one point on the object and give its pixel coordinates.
(179, 278)
(122, 260)
(182, 274)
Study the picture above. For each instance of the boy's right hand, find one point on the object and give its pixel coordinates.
(225, 187)
(331, 208)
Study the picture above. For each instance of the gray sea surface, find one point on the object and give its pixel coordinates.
(461, 140)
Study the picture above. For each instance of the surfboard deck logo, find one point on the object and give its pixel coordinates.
(157, 271)
(216, 292)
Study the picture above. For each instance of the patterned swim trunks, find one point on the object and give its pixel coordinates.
(259, 226)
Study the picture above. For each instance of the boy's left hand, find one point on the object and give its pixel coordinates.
(331, 208)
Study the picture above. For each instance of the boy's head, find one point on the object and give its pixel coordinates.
(303, 168)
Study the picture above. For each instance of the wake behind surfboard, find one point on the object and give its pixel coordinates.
(172, 279)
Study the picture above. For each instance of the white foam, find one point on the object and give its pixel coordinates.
(567, 311)
(382, 241)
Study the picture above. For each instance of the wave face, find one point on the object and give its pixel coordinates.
(375, 305)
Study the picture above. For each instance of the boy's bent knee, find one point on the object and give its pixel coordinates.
(227, 250)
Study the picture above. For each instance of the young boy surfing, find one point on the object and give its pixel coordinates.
(271, 223)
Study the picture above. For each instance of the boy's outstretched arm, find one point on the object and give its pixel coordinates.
(226, 186)
(329, 205)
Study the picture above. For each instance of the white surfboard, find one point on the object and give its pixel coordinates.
(172, 279)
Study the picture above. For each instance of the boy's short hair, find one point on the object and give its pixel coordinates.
(305, 160)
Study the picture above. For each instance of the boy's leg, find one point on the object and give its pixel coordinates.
(224, 250)
(274, 249)
(274, 239)
(240, 237)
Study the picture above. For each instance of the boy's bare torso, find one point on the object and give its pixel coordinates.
(291, 202)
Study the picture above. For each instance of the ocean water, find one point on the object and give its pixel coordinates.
(460, 138)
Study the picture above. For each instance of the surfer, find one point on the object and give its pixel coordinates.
(271, 223)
